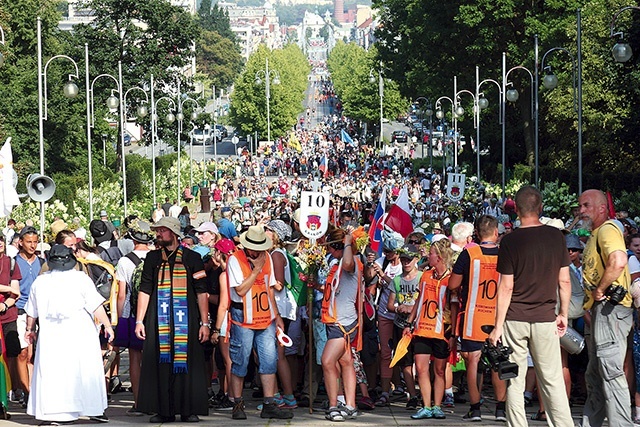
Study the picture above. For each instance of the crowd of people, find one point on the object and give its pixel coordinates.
(405, 319)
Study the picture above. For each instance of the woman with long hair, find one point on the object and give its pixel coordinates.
(220, 334)
(428, 321)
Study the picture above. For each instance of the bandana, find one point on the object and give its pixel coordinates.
(172, 305)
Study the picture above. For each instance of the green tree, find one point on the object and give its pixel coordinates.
(248, 106)
(218, 58)
(215, 18)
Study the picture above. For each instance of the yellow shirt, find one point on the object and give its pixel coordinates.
(609, 239)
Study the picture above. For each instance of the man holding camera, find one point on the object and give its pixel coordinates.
(533, 263)
(606, 281)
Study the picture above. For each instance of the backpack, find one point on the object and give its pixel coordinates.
(298, 287)
(136, 277)
(103, 275)
(112, 254)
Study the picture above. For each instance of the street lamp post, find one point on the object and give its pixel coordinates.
(459, 110)
(180, 118)
(91, 121)
(70, 90)
(483, 103)
(141, 111)
(170, 117)
(428, 111)
(267, 75)
(440, 116)
(372, 79)
(550, 81)
(3, 44)
(512, 95)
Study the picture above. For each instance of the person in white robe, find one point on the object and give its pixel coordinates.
(68, 374)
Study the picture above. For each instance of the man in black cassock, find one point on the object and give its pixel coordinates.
(164, 391)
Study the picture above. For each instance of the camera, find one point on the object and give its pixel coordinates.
(615, 293)
(497, 358)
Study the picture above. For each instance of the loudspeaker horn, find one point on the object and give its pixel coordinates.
(40, 187)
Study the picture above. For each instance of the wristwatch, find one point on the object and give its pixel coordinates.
(208, 325)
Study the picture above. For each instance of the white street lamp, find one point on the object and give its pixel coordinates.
(169, 118)
(372, 79)
(269, 76)
(112, 104)
(180, 117)
(426, 110)
(621, 51)
(3, 44)
(70, 91)
(483, 103)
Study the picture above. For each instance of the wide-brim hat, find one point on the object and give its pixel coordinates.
(141, 232)
(169, 222)
(256, 239)
(57, 226)
(100, 231)
(61, 258)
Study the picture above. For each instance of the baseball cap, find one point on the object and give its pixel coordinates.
(207, 226)
(27, 230)
(408, 251)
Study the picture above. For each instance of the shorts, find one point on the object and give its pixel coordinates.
(126, 335)
(21, 323)
(244, 340)
(319, 338)
(335, 331)
(11, 339)
(224, 326)
(293, 328)
(370, 347)
(468, 346)
(435, 346)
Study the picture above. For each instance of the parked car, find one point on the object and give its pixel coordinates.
(127, 140)
(222, 131)
(200, 136)
(399, 136)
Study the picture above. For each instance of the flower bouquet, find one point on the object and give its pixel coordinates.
(360, 238)
(313, 261)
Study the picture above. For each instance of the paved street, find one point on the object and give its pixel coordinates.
(394, 415)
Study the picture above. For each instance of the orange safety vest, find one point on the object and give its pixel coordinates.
(480, 306)
(257, 310)
(329, 314)
(430, 315)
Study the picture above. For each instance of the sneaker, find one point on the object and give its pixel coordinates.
(277, 398)
(501, 415)
(271, 410)
(16, 396)
(225, 404)
(238, 411)
(422, 414)
(448, 401)
(100, 418)
(289, 402)
(133, 412)
(437, 413)
(303, 402)
(412, 404)
(473, 415)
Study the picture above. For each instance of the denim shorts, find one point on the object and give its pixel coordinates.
(243, 340)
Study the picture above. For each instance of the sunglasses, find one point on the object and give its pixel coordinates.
(338, 246)
(414, 242)
(574, 250)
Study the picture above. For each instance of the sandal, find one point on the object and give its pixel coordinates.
(366, 404)
(334, 414)
(539, 416)
(383, 400)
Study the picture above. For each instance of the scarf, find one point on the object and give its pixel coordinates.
(172, 304)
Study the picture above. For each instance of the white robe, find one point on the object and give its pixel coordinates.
(68, 374)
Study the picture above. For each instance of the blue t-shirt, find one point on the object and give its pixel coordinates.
(30, 272)
(226, 228)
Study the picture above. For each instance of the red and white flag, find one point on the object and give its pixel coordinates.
(399, 217)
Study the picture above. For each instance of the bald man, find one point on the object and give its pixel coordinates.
(605, 270)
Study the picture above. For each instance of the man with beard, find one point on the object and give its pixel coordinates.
(173, 319)
(605, 271)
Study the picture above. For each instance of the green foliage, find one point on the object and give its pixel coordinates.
(216, 19)
(248, 110)
(219, 58)
(557, 200)
(351, 70)
(628, 201)
(522, 173)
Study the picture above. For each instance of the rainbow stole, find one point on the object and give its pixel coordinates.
(172, 305)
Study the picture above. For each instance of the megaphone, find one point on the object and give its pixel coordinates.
(40, 187)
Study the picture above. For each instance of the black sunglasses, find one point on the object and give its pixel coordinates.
(414, 242)
(338, 246)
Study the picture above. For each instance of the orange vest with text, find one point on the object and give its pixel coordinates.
(480, 308)
(430, 317)
(257, 309)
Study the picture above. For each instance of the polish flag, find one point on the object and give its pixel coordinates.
(375, 230)
(399, 216)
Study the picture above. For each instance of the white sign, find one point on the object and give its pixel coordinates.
(314, 214)
(235, 140)
(455, 186)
